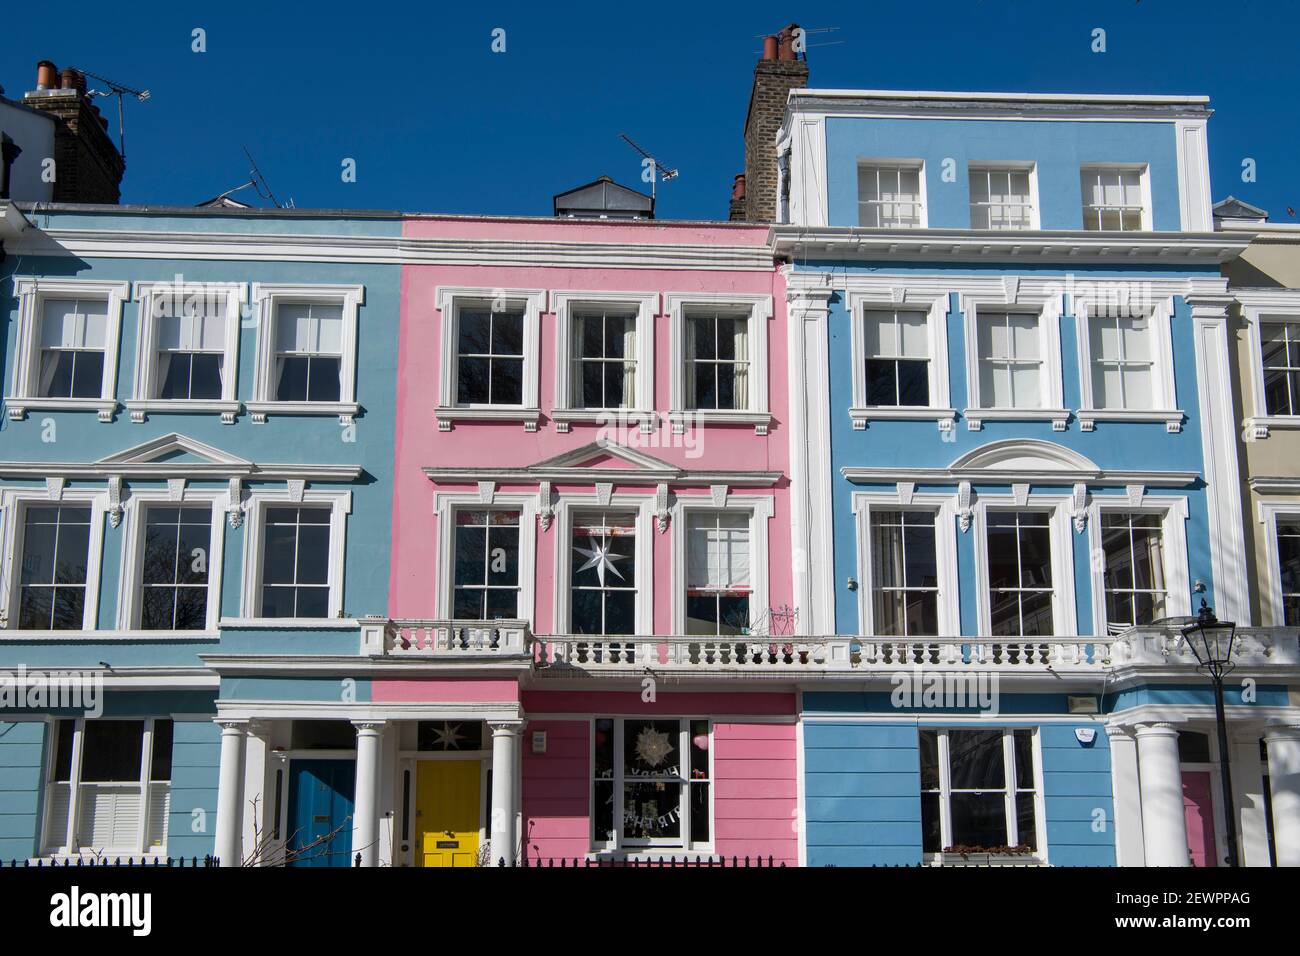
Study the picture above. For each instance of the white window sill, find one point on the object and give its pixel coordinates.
(1259, 426)
(448, 415)
(19, 407)
(1172, 417)
(680, 418)
(44, 634)
(945, 417)
(293, 623)
(346, 411)
(976, 417)
(140, 409)
(613, 417)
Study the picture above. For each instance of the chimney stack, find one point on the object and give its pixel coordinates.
(780, 71)
(87, 166)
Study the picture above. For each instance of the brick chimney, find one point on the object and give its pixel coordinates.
(777, 73)
(87, 166)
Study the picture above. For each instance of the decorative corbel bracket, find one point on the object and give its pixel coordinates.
(604, 492)
(1079, 507)
(965, 513)
(54, 488)
(719, 495)
(546, 505)
(175, 489)
(487, 491)
(661, 507)
(235, 507)
(115, 500)
(297, 487)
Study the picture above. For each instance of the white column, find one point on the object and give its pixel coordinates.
(1127, 794)
(505, 769)
(227, 844)
(1164, 826)
(1248, 798)
(1283, 744)
(365, 810)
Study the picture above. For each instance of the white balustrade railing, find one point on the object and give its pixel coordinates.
(748, 653)
(446, 639)
(512, 639)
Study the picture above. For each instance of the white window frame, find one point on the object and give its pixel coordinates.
(1064, 615)
(1163, 390)
(130, 576)
(1257, 307)
(944, 507)
(13, 505)
(1010, 166)
(145, 385)
(879, 165)
(450, 300)
(1049, 311)
(1144, 177)
(760, 509)
(617, 781)
(70, 846)
(1268, 513)
(267, 298)
(565, 305)
(340, 504)
(1173, 512)
(31, 294)
(644, 508)
(940, 409)
(759, 307)
(445, 506)
(1008, 765)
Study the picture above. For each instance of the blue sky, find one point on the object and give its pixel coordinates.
(437, 122)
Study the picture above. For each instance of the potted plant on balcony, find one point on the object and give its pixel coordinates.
(964, 854)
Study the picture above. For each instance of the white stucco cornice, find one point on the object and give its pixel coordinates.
(390, 250)
(1119, 250)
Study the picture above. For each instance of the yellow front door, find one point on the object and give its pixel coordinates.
(447, 812)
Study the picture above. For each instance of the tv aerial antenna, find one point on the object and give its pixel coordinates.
(657, 169)
(120, 90)
(807, 32)
(257, 182)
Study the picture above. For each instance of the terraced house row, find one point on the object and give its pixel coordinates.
(858, 529)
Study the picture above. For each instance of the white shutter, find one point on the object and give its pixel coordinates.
(110, 817)
(56, 816)
(160, 802)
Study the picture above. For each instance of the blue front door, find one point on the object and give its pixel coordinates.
(320, 812)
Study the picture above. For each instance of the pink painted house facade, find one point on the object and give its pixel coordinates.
(592, 545)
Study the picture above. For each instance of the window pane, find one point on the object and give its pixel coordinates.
(507, 333)
(111, 750)
(651, 748)
(1027, 820)
(978, 819)
(161, 766)
(975, 760)
(652, 811)
(1024, 741)
(474, 329)
(323, 384)
(882, 382)
(699, 813)
(473, 381)
(929, 743)
(63, 749)
(931, 825)
(913, 383)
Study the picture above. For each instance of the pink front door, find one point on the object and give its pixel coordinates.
(1198, 809)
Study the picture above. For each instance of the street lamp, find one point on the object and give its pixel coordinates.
(1211, 641)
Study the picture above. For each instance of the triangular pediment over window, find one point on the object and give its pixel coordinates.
(174, 449)
(606, 454)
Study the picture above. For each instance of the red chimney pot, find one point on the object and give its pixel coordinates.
(786, 38)
(47, 75)
(769, 48)
(738, 188)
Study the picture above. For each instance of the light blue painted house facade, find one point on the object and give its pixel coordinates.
(1017, 455)
(195, 460)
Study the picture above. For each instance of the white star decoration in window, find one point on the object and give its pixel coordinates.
(601, 557)
(653, 746)
(448, 737)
